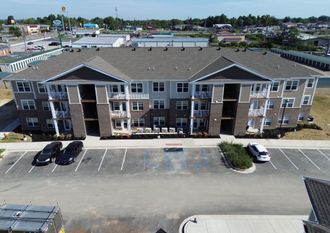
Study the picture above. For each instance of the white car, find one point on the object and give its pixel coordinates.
(259, 152)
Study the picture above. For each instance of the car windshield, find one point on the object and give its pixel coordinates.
(47, 151)
(263, 153)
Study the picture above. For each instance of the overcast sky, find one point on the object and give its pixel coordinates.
(164, 9)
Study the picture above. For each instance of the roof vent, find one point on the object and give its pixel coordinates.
(97, 49)
(149, 68)
(264, 53)
(183, 49)
(219, 48)
(165, 49)
(79, 50)
(176, 67)
(153, 68)
(237, 50)
(189, 68)
(278, 67)
(133, 49)
(71, 50)
(150, 49)
(295, 65)
(200, 48)
(17, 214)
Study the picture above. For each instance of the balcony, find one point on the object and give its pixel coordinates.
(203, 94)
(256, 112)
(201, 113)
(58, 95)
(259, 94)
(139, 96)
(117, 96)
(62, 114)
(118, 114)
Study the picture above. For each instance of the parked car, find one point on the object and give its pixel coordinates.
(30, 43)
(39, 47)
(70, 153)
(52, 150)
(259, 152)
(54, 43)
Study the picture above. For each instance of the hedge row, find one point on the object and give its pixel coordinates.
(237, 155)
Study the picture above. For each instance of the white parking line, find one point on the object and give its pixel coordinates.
(289, 159)
(102, 160)
(122, 164)
(309, 159)
(82, 157)
(273, 165)
(322, 153)
(31, 169)
(16, 162)
(54, 168)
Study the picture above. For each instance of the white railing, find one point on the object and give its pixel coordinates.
(259, 94)
(138, 96)
(201, 113)
(117, 96)
(62, 114)
(118, 114)
(58, 95)
(203, 94)
(256, 112)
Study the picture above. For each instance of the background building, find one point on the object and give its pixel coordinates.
(170, 42)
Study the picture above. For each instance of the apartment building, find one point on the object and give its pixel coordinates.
(112, 91)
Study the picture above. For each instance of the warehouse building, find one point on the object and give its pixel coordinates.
(170, 42)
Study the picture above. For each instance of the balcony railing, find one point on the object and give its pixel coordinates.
(256, 112)
(201, 113)
(259, 94)
(58, 95)
(118, 114)
(139, 96)
(203, 94)
(62, 114)
(117, 96)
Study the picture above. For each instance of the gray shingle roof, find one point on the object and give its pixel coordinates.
(311, 227)
(170, 64)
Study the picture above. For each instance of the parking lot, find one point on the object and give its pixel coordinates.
(90, 162)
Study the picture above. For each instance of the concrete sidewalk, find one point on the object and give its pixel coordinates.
(243, 224)
(181, 142)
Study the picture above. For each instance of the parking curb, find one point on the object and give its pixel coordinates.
(2, 155)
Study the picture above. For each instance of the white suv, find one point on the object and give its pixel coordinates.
(259, 152)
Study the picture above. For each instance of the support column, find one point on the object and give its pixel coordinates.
(52, 109)
(192, 109)
(265, 109)
(128, 109)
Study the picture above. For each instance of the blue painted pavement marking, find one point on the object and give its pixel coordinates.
(205, 160)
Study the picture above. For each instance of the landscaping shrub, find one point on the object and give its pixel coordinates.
(237, 155)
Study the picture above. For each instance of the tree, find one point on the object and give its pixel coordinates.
(110, 22)
(10, 20)
(15, 31)
(98, 21)
(29, 21)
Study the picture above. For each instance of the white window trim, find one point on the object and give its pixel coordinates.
(52, 123)
(306, 84)
(268, 120)
(181, 105)
(28, 100)
(67, 127)
(269, 105)
(294, 99)
(278, 87)
(303, 114)
(48, 104)
(137, 104)
(39, 88)
(33, 122)
(136, 83)
(182, 119)
(158, 120)
(158, 87)
(284, 118)
(139, 120)
(183, 83)
(284, 88)
(303, 99)
(159, 100)
(23, 87)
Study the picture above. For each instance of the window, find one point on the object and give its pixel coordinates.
(45, 106)
(268, 122)
(285, 120)
(159, 121)
(181, 122)
(291, 85)
(274, 87)
(258, 87)
(288, 102)
(199, 124)
(23, 86)
(182, 87)
(136, 87)
(28, 105)
(67, 124)
(118, 123)
(32, 122)
(137, 106)
(301, 116)
(271, 104)
(138, 122)
(159, 104)
(202, 88)
(306, 99)
(42, 88)
(310, 83)
(114, 88)
(181, 105)
(158, 86)
(50, 124)
(116, 106)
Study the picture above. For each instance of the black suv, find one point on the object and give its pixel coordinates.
(54, 43)
(50, 151)
(70, 153)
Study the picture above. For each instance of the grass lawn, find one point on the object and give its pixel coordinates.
(15, 137)
(321, 112)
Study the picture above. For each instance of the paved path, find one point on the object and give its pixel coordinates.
(182, 142)
(243, 223)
